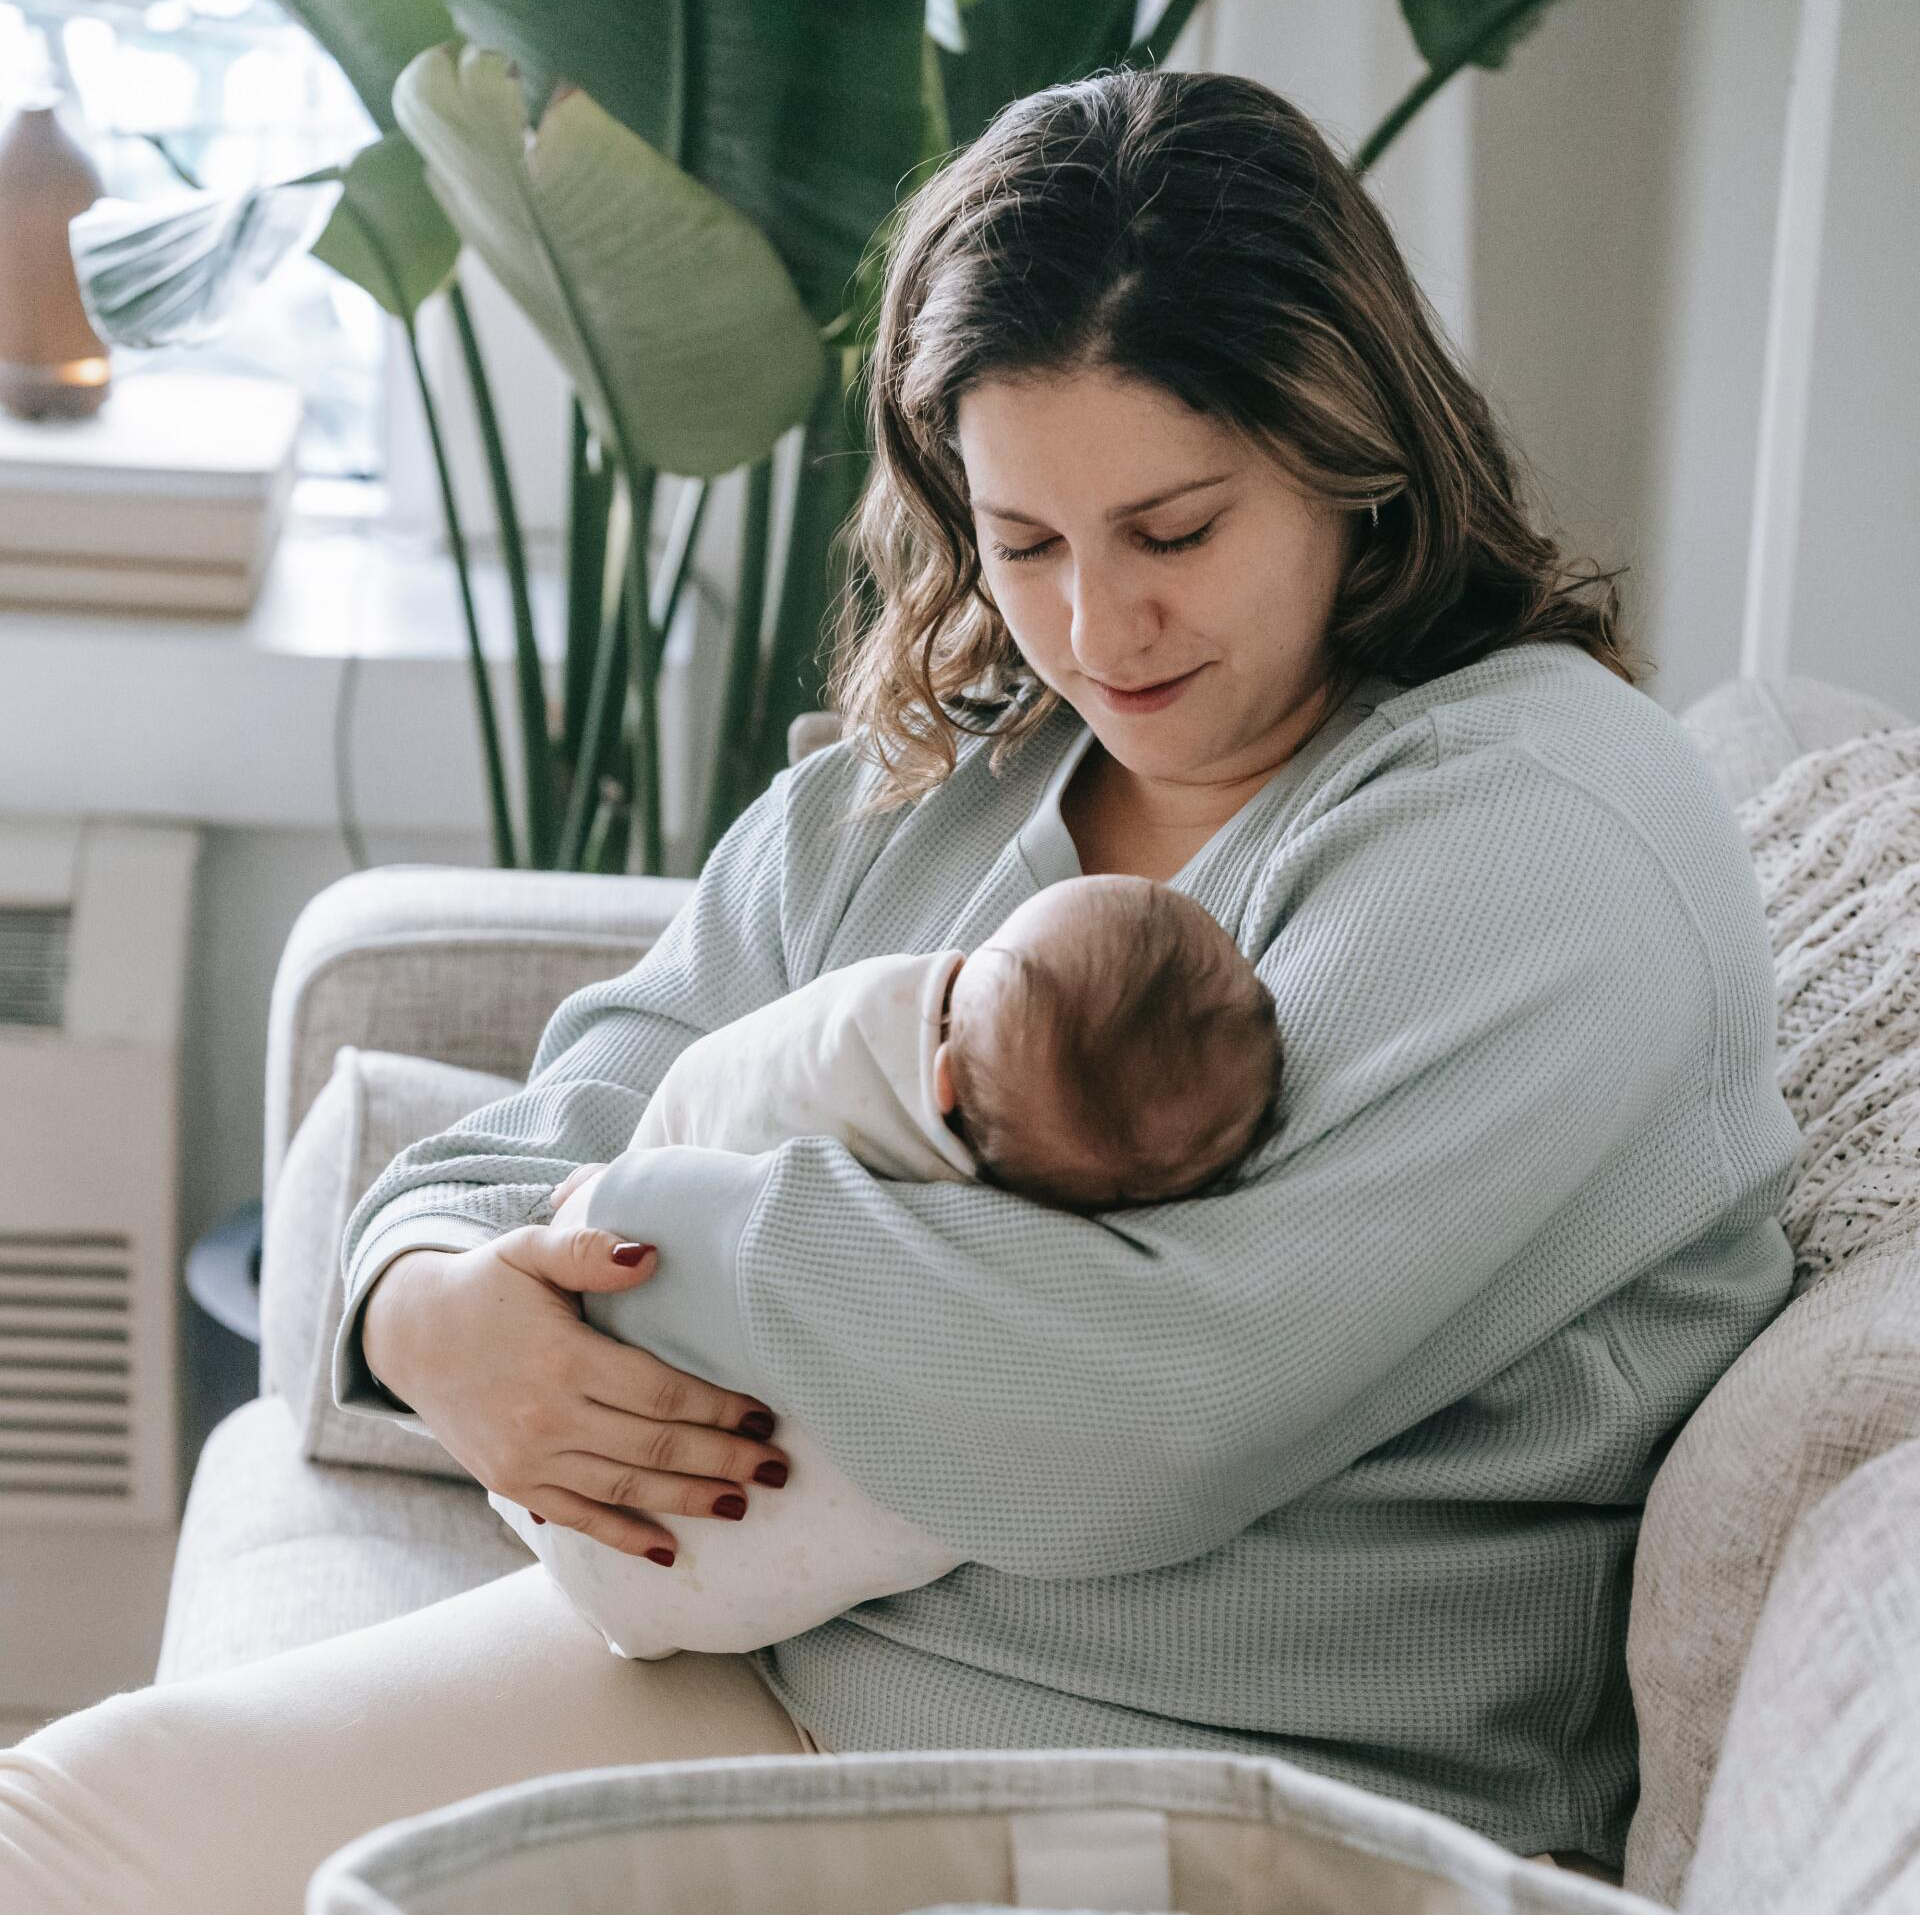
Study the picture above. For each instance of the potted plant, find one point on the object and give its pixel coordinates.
(690, 201)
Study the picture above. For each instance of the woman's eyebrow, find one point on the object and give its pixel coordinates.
(1119, 511)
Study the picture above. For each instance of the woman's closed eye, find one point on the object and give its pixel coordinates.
(1183, 544)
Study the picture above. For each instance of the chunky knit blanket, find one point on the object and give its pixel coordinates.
(1836, 844)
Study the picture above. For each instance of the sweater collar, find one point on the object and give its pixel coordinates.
(1046, 846)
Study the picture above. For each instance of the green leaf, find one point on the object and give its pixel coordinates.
(388, 233)
(1016, 47)
(173, 272)
(944, 25)
(372, 40)
(806, 118)
(1477, 32)
(684, 335)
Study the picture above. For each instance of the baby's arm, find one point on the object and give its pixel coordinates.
(802, 1554)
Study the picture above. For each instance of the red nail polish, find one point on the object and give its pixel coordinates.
(733, 1507)
(756, 1424)
(630, 1253)
(774, 1475)
(537, 1519)
(664, 1557)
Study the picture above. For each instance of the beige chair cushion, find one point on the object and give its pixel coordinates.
(1748, 728)
(1816, 1802)
(277, 1551)
(369, 1110)
(1831, 1384)
(1835, 1380)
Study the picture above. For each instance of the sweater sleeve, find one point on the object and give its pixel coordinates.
(602, 1054)
(1455, 956)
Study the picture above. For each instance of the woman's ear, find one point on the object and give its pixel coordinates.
(943, 1081)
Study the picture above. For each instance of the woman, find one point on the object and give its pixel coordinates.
(1199, 559)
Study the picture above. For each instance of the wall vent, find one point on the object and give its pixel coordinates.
(95, 916)
(67, 1384)
(33, 963)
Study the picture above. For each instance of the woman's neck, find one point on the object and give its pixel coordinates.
(1151, 827)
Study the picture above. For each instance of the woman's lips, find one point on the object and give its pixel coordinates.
(1149, 698)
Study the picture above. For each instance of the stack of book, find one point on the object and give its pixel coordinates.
(170, 497)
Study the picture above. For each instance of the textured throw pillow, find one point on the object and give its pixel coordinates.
(371, 1108)
(1816, 1802)
(1836, 846)
(1835, 1380)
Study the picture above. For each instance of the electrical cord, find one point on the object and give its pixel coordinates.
(346, 815)
(343, 804)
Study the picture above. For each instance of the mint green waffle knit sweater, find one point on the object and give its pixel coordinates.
(1344, 1466)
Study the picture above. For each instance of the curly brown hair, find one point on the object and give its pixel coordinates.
(1194, 231)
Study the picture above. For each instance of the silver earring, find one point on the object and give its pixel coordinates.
(1373, 506)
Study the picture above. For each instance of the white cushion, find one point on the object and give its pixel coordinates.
(369, 1110)
(277, 1551)
(1749, 728)
(1816, 1803)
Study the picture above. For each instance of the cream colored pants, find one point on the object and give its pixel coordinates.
(220, 1795)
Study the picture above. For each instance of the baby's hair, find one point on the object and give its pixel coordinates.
(1112, 1083)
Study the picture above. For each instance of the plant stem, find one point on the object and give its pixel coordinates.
(592, 857)
(600, 732)
(730, 753)
(832, 467)
(504, 854)
(643, 668)
(1153, 46)
(530, 679)
(690, 509)
(589, 498)
(1432, 81)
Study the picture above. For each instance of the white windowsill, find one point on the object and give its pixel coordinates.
(230, 720)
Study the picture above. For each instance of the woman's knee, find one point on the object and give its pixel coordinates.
(90, 1805)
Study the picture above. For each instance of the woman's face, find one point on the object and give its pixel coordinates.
(1117, 569)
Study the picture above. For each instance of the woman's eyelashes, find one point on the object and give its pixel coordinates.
(1184, 544)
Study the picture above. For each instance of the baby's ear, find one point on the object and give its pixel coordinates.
(943, 1080)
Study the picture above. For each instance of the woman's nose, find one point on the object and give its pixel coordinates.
(1112, 623)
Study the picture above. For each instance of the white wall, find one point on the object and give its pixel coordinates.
(1606, 260)
(1856, 603)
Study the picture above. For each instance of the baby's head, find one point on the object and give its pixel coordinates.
(1109, 1046)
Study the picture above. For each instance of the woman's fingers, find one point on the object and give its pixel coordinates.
(572, 1257)
(628, 1486)
(626, 1530)
(624, 1377)
(670, 1449)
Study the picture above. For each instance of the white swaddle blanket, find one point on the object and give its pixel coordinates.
(848, 1056)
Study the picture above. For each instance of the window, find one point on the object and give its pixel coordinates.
(237, 95)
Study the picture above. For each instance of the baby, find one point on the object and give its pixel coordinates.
(1109, 1046)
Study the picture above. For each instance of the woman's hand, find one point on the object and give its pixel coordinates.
(489, 1348)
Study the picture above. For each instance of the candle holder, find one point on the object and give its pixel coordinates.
(53, 365)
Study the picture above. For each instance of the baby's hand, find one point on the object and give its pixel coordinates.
(575, 1191)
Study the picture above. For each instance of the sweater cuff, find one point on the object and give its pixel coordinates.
(692, 1204)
